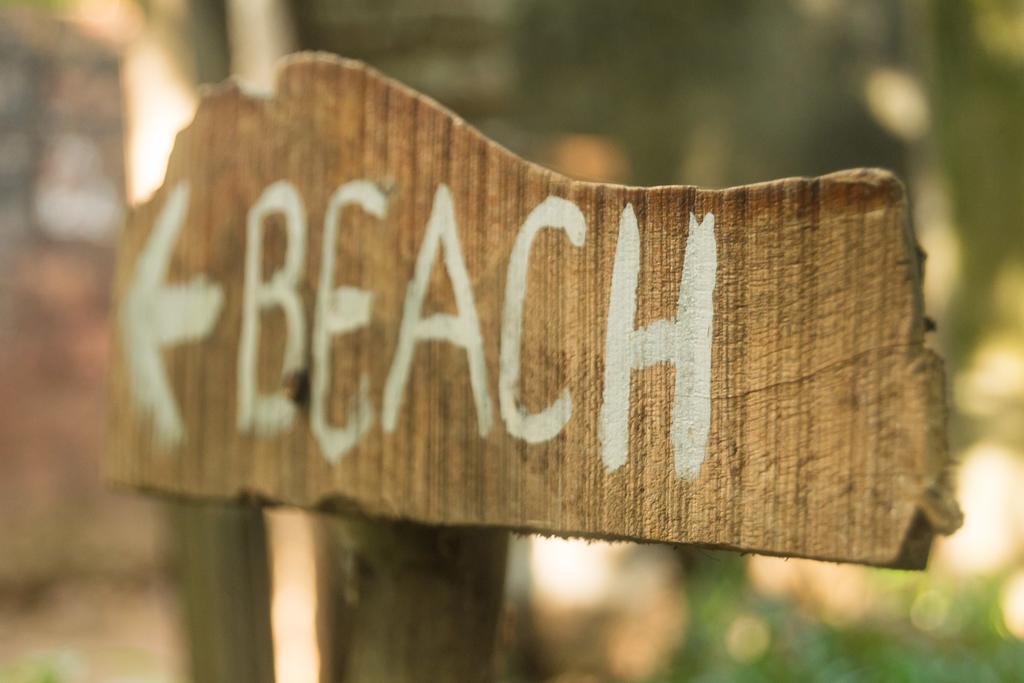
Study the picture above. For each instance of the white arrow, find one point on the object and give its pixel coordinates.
(156, 314)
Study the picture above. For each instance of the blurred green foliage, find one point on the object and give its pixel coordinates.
(970, 645)
(37, 4)
(776, 89)
(48, 667)
(976, 60)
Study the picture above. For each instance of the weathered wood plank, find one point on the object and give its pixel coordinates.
(808, 418)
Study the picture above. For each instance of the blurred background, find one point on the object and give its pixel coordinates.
(94, 585)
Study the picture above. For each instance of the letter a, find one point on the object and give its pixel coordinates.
(462, 329)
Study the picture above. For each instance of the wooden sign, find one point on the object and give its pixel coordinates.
(345, 297)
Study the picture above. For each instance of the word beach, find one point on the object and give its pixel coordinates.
(685, 342)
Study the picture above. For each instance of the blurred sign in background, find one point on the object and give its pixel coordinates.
(714, 94)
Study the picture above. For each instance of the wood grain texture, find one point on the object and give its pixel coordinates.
(827, 432)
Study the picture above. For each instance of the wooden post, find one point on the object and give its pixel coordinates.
(225, 586)
(336, 596)
(409, 602)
